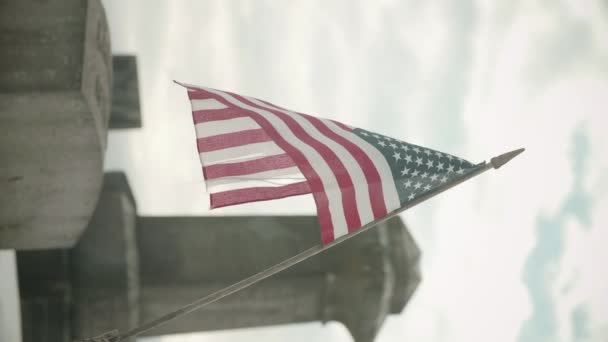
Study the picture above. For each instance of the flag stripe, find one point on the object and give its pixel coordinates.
(211, 128)
(351, 167)
(391, 197)
(372, 177)
(279, 161)
(222, 141)
(341, 180)
(255, 194)
(252, 150)
(206, 104)
(381, 184)
(241, 153)
(216, 115)
(327, 201)
(270, 178)
(341, 125)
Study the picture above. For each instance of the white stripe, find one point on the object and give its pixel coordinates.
(241, 153)
(389, 190)
(391, 197)
(211, 128)
(206, 104)
(327, 177)
(272, 178)
(214, 189)
(364, 205)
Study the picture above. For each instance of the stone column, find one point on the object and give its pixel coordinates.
(92, 288)
(104, 265)
(357, 283)
(55, 77)
(125, 94)
(127, 270)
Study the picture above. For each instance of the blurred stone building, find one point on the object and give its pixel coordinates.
(88, 263)
(126, 270)
(55, 105)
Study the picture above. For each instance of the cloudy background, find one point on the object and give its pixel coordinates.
(515, 255)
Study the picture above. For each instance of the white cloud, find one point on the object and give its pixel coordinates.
(475, 239)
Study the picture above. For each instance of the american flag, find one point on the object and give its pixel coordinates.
(252, 150)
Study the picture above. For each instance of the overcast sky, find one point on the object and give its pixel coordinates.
(515, 255)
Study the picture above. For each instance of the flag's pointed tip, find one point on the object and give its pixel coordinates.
(504, 158)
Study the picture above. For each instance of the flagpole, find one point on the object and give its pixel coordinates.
(114, 336)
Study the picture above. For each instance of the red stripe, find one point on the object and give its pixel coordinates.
(372, 176)
(205, 115)
(314, 182)
(221, 141)
(280, 161)
(216, 114)
(199, 94)
(374, 183)
(238, 196)
(341, 125)
(347, 190)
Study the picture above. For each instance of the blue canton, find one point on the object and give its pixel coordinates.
(416, 170)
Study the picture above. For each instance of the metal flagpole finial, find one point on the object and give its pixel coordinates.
(110, 336)
(504, 158)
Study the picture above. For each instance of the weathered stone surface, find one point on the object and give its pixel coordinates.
(104, 265)
(357, 283)
(45, 291)
(55, 76)
(127, 270)
(125, 93)
(92, 288)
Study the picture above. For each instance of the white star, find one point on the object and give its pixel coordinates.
(450, 157)
(393, 145)
(376, 136)
(397, 156)
(444, 179)
(408, 158)
(415, 173)
(451, 168)
(460, 171)
(429, 164)
(434, 177)
(407, 184)
(416, 149)
(364, 133)
(419, 161)
(405, 171)
(382, 143)
(411, 196)
(440, 166)
(428, 152)
(438, 154)
(417, 185)
(424, 175)
(427, 187)
(405, 147)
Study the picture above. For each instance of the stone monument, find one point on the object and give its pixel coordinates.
(126, 270)
(125, 94)
(55, 78)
